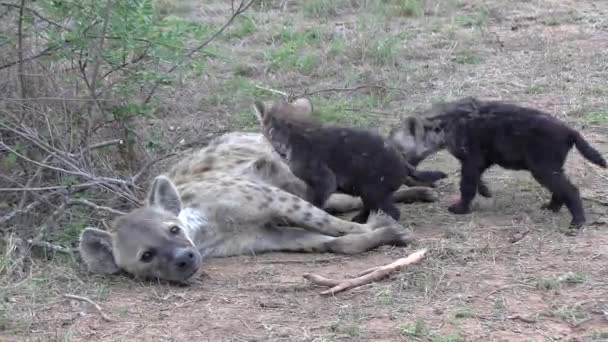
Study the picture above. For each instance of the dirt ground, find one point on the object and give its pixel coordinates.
(476, 284)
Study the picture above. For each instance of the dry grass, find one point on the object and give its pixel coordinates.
(474, 284)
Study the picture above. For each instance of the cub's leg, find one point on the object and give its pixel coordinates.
(554, 205)
(563, 191)
(483, 189)
(320, 179)
(469, 185)
(375, 198)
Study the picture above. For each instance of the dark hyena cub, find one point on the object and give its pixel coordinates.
(331, 159)
(483, 133)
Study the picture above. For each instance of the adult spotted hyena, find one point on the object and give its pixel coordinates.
(233, 197)
(481, 134)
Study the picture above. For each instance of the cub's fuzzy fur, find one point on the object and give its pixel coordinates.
(484, 133)
(332, 159)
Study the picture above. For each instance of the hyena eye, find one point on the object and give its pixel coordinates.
(147, 256)
(174, 230)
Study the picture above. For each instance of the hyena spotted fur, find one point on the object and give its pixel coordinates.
(329, 159)
(235, 196)
(481, 134)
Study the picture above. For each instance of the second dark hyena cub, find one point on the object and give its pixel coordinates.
(332, 159)
(484, 133)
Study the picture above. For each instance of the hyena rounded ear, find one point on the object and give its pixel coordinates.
(303, 105)
(96, 251)
(163, 194)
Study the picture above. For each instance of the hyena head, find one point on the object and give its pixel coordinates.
(149, 242)
(279, 121)
(417, 138)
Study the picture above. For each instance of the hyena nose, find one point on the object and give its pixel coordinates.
(184, 259)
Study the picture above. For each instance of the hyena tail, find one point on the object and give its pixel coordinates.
(587, 150)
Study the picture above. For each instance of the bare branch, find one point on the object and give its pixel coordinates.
(147, 167)
(55, 187)
(20, 50)
(47, 246)
(27, 209)
(97, 307)
(353, 89)
(270, 90)
(35, 13)
(365, 277)
(46, 52)
(95, 206)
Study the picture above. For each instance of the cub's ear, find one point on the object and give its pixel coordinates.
(260, 110)
(97, 252)
(303, 106)
(163, 194)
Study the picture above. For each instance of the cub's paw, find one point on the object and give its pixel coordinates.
(551, 206)
(484, 191)
(459, 208)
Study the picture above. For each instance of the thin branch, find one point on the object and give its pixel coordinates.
(363, 86)
(46, 52)
(147, 167)
(270, 90)
(54, 187)
(49, 246)
(20, 70)
(97, 307)
(36, 14)
(75, 173)
(95, 206)
(243, 6)
(100, 145)
(27, 209)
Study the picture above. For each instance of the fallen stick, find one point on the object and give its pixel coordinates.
(365, 277)
(97, 307)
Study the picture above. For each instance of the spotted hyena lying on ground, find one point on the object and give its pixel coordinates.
(233, 197)
(353, 161)
(483, 133)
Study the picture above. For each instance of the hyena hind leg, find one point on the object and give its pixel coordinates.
(292, 239)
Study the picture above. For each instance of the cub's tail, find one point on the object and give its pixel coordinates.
(587, 150)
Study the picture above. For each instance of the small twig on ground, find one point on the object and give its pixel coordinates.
(523, 319)
(49, 246)
(95, 206)
(305, 261)
(270, 90)
(365, 277)
(97, 307)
